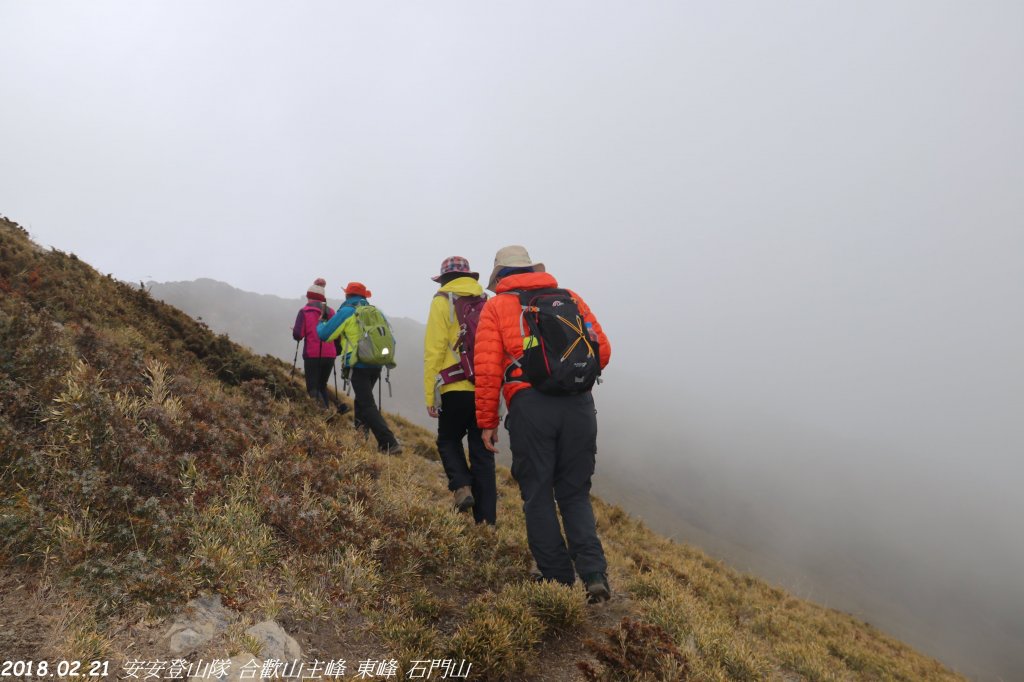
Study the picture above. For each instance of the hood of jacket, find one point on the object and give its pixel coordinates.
(462, 286)
(526, 280)
(354, 300)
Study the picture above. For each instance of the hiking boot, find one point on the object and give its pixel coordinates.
(393, 449)
(336, 410)
(597, 588)
(535, 574)
(464, 498)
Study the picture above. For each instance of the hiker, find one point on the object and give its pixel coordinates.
(317, 356)
(363, 375)
(542, 348)
(449, 390)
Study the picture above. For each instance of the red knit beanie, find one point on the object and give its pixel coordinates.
(316, 290)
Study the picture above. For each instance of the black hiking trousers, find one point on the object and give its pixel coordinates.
(456, 421)
(318, 373)
(554, 446)
(367, 416)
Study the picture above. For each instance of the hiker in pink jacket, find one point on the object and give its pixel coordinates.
(317, 356)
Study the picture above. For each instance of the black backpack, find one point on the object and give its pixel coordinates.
(561, 355)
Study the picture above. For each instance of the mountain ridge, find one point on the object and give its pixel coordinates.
(149, 460)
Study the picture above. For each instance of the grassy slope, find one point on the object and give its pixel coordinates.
(145, 459)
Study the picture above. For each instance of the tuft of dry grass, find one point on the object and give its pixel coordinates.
(79, 635)
(228, 540)
(635, 651)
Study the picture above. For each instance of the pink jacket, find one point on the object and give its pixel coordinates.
(305, 328)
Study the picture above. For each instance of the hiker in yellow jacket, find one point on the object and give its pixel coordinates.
(449, 391)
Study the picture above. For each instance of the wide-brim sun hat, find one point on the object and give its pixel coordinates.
(357, 289)
(455, 264)
(512, 257)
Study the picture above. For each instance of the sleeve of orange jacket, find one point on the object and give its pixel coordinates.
(588, 316)
(488, 365)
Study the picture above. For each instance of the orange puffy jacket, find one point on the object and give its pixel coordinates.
(499, 342)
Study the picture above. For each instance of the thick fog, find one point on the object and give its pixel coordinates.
(801, 223)
(861, 445)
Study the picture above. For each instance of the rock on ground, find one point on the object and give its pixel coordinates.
(275, 642)
(202, 619)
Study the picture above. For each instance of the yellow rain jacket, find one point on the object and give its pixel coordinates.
(442, 334)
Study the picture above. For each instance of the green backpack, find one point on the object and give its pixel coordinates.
(371, 336)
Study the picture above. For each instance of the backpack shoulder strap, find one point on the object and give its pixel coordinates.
(451, 303)
(525, 295)
(513, 292)
(523, 298)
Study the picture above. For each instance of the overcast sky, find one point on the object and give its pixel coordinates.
(807, 215)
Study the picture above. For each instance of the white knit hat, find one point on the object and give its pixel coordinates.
(316, 290)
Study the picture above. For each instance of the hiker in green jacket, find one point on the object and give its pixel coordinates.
(363, 375)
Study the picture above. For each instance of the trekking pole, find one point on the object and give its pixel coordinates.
(295, 361)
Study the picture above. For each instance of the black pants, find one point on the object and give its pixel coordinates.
(318, 373)
(457, 421)
(367, 416)
(554, 445)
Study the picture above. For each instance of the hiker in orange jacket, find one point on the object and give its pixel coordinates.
(553, 436)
